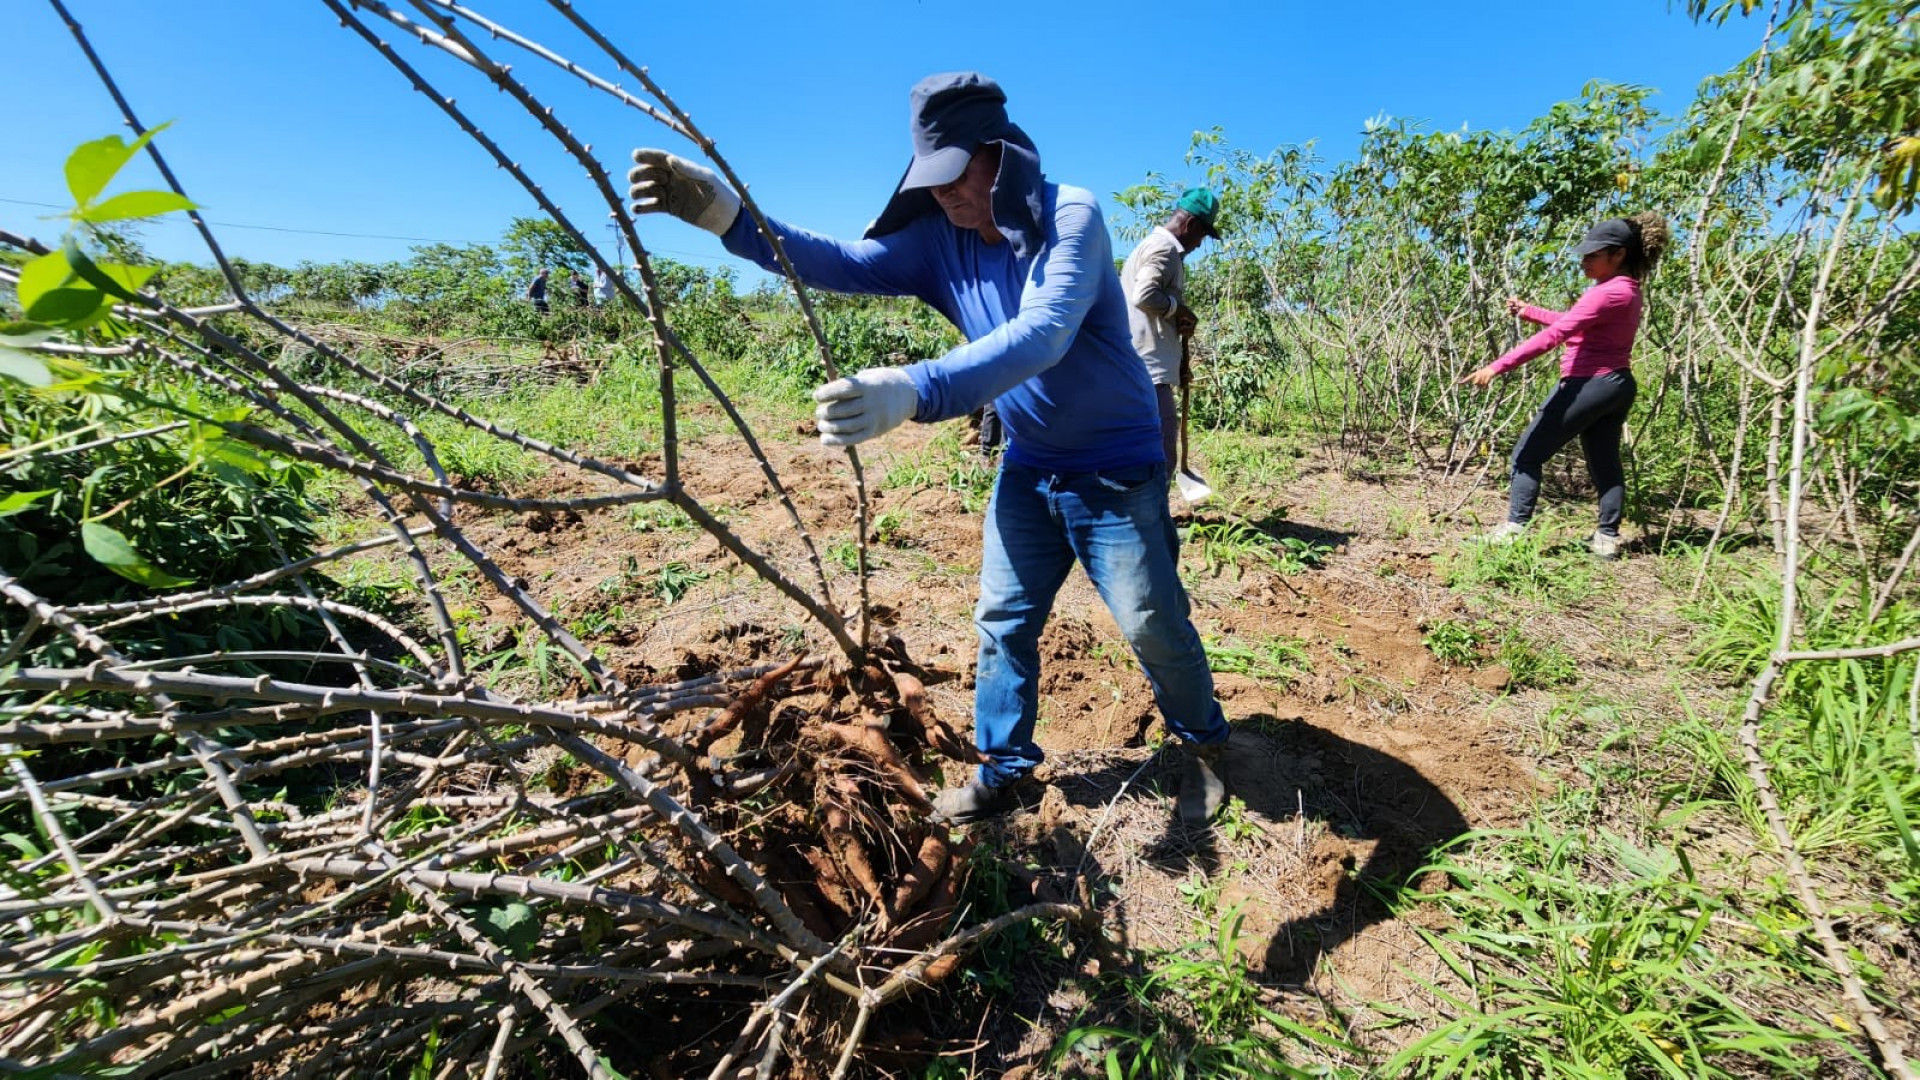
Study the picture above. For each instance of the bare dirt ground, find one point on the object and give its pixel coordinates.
(1351, 771)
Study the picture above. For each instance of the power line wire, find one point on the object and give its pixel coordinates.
(346, 235)
(269, 228)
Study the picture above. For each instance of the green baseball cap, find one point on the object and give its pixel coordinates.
(1202, 204)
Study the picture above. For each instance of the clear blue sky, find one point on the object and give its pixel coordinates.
(283, 118)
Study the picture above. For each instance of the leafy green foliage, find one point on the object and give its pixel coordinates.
(1454, 642)
(112, 550)
(1837, 736)
(1234, 543)
(844, 554)
(176, 497)
(68, 289)
(1278, 659)
(1845, 80)
(158, 510)
(673, 580)
(1296, 555)
(1230, 543)
(512, 924)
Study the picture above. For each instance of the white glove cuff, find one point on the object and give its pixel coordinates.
(719, 215)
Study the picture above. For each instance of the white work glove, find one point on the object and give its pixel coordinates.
(693, 193)
(856, 408)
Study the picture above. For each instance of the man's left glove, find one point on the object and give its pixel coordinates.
(693, 193)
(873, 402)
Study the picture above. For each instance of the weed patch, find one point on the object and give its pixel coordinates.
(1590, 956)
(1529, 567)
(1195, 1013)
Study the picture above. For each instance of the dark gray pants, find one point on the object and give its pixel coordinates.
(1593, 407)
(1169, 425)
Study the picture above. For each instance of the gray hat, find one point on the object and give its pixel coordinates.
(951, 115)
(1613, 232)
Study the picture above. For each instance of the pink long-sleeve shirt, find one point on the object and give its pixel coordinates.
(1598, 330)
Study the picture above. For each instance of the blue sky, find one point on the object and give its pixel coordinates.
(283, 118)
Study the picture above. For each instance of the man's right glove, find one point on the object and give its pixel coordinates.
(858, 407)
(693, 193)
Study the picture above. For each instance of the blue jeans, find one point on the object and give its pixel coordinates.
(1115, 523)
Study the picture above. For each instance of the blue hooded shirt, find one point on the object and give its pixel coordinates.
(1043, 313)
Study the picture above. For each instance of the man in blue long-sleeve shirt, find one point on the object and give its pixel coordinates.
(1024, 268)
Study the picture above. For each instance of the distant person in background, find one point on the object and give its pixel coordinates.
(537, 291)
(602, 286)
(1154, 279)
(987, 433)
(1596, 387)
(579, 286)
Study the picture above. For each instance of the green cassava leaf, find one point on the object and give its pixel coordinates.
(73, 306)
(215, 445)
(42, 276)
(111, 549)
(51, 292)
(114, 279)
(25, 367)
(23, 334)
(136, 204)
(513, 924)
(20, 500)
(93, 165)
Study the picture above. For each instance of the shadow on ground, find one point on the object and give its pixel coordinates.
(1367, 821)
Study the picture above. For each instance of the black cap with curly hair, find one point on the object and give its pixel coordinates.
(1650, 239)
(1642, 239)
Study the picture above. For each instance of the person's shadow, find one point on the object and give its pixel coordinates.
(1283, 769)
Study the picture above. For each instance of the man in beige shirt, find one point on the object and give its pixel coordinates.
(1154, 279)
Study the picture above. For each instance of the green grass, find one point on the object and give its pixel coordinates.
(944, 463)
(1279, 659)
(1233, 543)
(658, 517)
(1195, 1012)
(1579, 954)
(889, 528)
(481, 458)
(1837, 734)
(1528, 661)
(1236, 464)
(1535, 566)
(845, 554)
(1534, 663)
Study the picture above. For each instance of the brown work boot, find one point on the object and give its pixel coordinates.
(977, 801)
(1203, 784)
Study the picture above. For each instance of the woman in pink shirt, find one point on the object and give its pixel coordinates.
(1596, 377)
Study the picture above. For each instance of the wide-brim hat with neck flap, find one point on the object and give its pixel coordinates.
(950, 116)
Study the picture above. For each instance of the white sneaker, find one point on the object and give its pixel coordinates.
(1506, 533)
(1604, 545)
